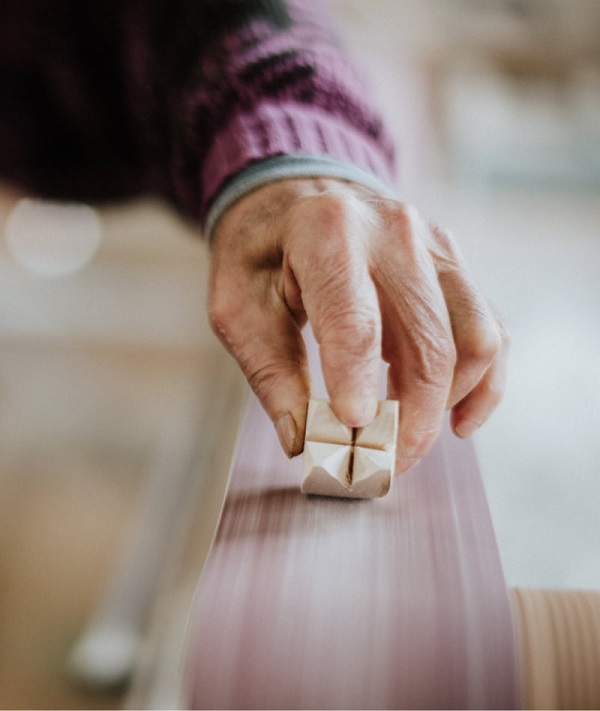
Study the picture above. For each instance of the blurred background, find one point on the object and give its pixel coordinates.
(103, 341)
(496, 107)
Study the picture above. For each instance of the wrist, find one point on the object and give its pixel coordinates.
(291, 167)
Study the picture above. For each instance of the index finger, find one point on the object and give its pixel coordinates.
(329, 261)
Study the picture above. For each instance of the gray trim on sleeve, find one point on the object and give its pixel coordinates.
(289, 166)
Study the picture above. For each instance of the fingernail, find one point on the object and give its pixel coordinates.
(465, 428)
(287, 432)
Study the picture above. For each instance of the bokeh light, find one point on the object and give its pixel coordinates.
(52, 239)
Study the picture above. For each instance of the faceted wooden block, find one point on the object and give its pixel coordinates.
(326, 469)
(371, 472)
(323, 426)
(343, 471)
(346, 462)
(383, 431)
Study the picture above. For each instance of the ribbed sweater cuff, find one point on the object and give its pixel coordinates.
(284, 167)
(288, 129)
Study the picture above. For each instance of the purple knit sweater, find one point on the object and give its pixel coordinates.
(103, 99)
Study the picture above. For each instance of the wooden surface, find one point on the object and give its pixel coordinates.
(397, 602)
(559, 637)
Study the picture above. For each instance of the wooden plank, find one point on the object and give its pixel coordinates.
(309, 602)
(559, 636)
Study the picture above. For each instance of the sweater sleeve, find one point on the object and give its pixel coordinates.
(282, 167)
(179, 97)
(267, 79)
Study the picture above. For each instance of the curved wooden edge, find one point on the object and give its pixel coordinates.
(559, 638)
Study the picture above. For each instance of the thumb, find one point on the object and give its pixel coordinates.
(266, 341)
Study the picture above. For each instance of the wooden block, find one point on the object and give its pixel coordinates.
(326, 469)
(323, 426)
(383, 431)
(345, 462)
(371, 472)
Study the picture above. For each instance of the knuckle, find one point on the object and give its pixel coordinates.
(263, 379)
(220, 315)
(355, 331)
(481, 348)
(400, 213)
(445, 243)
(404, 219)
(362, 338)
(436, 359)
(328, 210)
(347, 314)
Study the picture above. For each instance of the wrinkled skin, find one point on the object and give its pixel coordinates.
(375, 281)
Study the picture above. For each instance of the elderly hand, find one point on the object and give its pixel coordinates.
(375, 281)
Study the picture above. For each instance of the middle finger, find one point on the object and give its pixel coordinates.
(417, 333)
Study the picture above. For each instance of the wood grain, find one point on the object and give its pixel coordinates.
(559, 635)
(309, 602)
